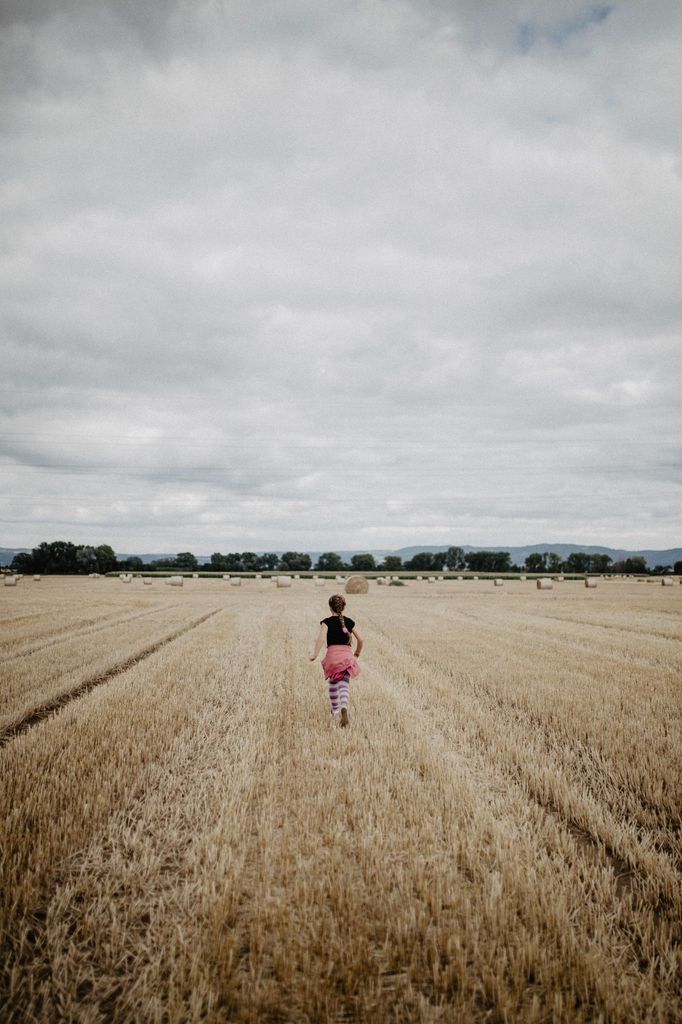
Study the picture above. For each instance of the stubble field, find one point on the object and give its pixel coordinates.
(185, 835)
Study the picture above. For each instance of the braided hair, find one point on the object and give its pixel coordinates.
(337, 603)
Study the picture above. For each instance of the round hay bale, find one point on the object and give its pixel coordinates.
(284, 581)
(498, 583)
(175, 581)
(10, 581)
(226, 575)
(522, 578)
(560, 579)
(420, 579)
(236, 582)
(37, 578)
(667, 581)
(460, 577)
(590, 583)
(474, 577)
(318, 583)
(381, 582)
(195, 575)
(431, 579)
(356, 585)
(543, 584)
(147, 581)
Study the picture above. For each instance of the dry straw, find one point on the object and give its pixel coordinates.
(10, 581)
(590, 583)
(544, 584)
(357, 585)
(284, 581)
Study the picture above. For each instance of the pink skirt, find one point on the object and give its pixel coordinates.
(338, 660)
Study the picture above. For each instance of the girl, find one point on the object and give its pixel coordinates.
(339, 663)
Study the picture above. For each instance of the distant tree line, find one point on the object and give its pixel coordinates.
(66, 558)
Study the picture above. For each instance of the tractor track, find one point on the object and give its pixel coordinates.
(50, 708)
(80, 632)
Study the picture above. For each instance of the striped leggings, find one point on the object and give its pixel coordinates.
(339, 693)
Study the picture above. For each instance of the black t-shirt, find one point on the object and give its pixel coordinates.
(335, 634)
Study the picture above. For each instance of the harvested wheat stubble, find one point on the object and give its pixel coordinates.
(356, 585)
(41, 676)
(492, 839)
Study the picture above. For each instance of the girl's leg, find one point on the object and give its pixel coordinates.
(334, 696)
(344, 694)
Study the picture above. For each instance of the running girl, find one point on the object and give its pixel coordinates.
(339, 663)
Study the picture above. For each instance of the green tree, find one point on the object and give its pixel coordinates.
(636, 565)
(106, 558)
(295, 561)
(391, 563)
(250, 561)
(363, 563)
(535, 562)
(233, 562)
(554, 562)
(423, 560)
(600, 563)
(454, 558)
(329, 562)
(86, 559)
(578, 561)
(23, 562)
(269, 560)
(218, 561)
(134, 563)
(186, 560)
(58, 557)
(488, 561)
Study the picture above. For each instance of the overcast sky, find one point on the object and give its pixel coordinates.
(327, 274)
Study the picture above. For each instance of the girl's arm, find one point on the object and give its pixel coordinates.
(320, 640)
(360, 642)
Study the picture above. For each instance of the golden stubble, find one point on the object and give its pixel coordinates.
(495, 837)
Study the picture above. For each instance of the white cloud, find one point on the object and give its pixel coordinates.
(335, 275)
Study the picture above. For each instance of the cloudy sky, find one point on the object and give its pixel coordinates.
(340, 274)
